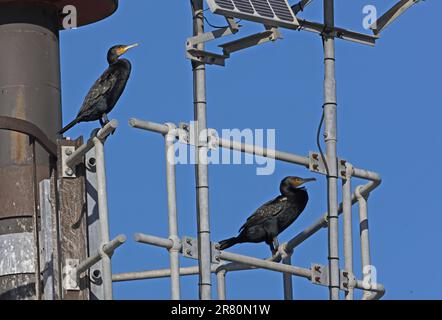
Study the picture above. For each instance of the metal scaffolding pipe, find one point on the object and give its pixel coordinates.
(103, 214)
(221, 283)
(152, 240)
(330, 111)
(264, 152)
(77, 156)
(348, 227)
(107, 249)
(371, 292)
(149, 126)
(265, 264)
(239, 262)
(174, 252)
(202, 178)
(156, 274)
(287, 280)
(365, 241)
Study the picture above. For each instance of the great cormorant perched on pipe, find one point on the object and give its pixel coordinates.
(104, 94)
(274, 216)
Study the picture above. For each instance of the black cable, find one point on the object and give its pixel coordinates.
(318, 142)
(207, 20)
(214, 26)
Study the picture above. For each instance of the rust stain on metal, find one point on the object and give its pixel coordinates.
(19, 142)
(73, 224)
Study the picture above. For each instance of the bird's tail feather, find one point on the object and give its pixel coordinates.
(224, 244)
(69, 126)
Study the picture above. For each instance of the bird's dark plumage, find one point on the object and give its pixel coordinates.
(273, 217)
(106, 91)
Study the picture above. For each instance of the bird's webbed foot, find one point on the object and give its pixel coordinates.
(94, 132)
(274, 245)
(105, 119)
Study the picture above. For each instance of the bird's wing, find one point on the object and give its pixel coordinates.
(105, 83)
(266, 211)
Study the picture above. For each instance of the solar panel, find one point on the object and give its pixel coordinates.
(276, 13)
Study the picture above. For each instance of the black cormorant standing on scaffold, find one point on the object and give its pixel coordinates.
(274, 216)
(104, 94)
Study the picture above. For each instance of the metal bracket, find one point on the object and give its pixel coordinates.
(195, 54)
(187, 134)
(346, 279)
(320, 275)
(206, 57)
(69, 281)
(68, 172)
(184, 134)
(271, 34)
(317, 165)
(190, 250)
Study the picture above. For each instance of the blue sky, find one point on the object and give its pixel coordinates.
(388, 116)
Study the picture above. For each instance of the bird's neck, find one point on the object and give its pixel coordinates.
(112, 60)
(288, 191)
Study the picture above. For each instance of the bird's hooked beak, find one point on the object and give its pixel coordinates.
(127, 48)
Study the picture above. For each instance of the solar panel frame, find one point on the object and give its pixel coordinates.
(282, 15)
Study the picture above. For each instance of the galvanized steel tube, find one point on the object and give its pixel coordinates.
(103, 214)
(287, 280)
(78, 155)
(330, 134)
(149, 126)
(153, 240)
(202, 178)
(264, 152)
(172, 211)
(156, 274)
(221, 283)
(365, 241)
(108, 249)
(348, 226)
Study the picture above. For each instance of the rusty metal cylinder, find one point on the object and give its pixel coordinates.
(29, 90)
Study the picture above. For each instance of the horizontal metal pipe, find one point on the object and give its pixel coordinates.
(156, 241)
(264, 264)
(257, 150)
(152, 274)
(149, 126)
(365, 174)
(155, 274)
(377, 290)
(107, 249)
(264, 152)
(76, 157)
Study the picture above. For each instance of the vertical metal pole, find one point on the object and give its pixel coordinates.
(365, 241)
(172, 207)
(93, 226)
(348, 227)
(288, 280)
(221, 281)
(202, 183)
(330, 106)
(103, 214)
